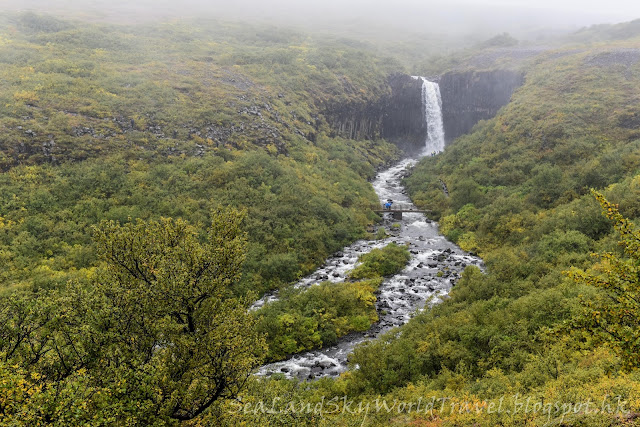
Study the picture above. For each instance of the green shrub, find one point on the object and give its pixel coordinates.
(381, 262)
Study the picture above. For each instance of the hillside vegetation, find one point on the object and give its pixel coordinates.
(155, 180)
(112, 122)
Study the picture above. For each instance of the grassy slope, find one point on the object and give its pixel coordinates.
(111, 122)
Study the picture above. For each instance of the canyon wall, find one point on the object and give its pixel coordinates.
(471, 96)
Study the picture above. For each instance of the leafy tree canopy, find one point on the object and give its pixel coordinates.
(612, 316)
(158, 338)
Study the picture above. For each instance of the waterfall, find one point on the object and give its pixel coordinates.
(432, 102)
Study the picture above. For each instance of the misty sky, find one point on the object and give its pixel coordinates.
(424, 16)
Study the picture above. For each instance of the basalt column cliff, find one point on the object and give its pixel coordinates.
(399, 114)
(471, 96)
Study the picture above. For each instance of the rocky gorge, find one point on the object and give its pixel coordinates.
(435, 264)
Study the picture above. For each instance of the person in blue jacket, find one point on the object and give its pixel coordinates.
(387, 205)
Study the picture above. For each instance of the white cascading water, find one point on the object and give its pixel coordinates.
(432, 103)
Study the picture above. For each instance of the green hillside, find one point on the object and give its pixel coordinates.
(155, 180)
(111, 122)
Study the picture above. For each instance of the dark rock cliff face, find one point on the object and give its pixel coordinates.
(403, 121)
(397, 116)
(471, 96)
(356, 121)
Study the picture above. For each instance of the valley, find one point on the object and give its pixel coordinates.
(193, 231)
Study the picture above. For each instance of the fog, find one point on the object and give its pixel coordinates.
(522, 18)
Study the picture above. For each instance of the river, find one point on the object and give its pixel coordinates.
(435, 266)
